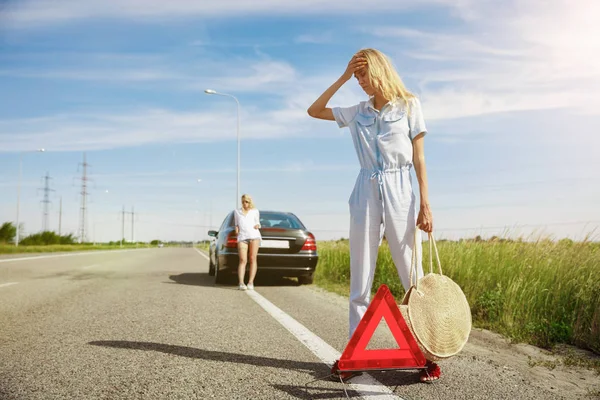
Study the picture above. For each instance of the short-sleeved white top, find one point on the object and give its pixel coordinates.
(246, 223)
(383, 139)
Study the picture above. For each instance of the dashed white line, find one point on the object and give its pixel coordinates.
(5, 260)
(8, 284)
(365, 385)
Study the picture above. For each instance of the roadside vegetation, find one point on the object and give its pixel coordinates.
(50, 242)
(542, 293)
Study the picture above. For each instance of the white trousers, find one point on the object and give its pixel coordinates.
(380, 206)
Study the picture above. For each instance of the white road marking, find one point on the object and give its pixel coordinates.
(65, 255)
(8, 284)
(365, 385)
(90, 266)
(202, 254)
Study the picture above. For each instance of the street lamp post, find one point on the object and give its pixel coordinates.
(19, 190)
(237, 191)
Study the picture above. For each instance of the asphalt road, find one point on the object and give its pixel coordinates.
(151, 324)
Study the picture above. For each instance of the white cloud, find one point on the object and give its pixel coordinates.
(527, 56)
(42, 12)
(304, 166)
(242, 75)
(315, 38)
(450, 103)
(113, 75)
(104, 131)
(514, 62)
(137, 68)
(263, 76)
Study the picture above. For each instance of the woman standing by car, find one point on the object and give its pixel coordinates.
(387, 131)
(247, 225)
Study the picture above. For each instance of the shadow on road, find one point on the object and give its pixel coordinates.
(315, 392)
(392, 379)
(317, 369)
(203, 279)
(191, 278)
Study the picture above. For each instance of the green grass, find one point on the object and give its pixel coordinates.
(541, 293)
(203, 246)
(11, 249)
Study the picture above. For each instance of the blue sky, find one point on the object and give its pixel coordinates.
(509, 91)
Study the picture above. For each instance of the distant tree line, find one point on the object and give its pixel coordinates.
(8, 233)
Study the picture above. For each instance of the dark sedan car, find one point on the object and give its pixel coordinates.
(287, 248)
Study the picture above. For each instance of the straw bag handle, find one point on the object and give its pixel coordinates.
(413, 260)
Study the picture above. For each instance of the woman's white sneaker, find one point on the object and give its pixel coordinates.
(250, 286)
(242, 287)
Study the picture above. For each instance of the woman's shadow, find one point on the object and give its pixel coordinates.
(221, 356)
(193, 278)
(315, 369)
(203, 279)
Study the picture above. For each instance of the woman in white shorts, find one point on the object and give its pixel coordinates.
(247, 225)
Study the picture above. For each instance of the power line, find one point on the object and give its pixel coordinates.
(83, 209)
(522, 226)
(440, 229)
(46, 201)
(174, 224)
(123, 224)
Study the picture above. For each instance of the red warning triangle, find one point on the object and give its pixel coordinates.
(357, 358)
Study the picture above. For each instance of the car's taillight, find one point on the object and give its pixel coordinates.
(231, 240)
(310, 244)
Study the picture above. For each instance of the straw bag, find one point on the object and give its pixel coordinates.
(436, 311)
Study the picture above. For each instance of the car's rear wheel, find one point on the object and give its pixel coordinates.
(211, 267)
(220, 277)
(306, 279)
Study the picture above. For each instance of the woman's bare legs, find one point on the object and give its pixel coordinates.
(243, 256)
(253, 251)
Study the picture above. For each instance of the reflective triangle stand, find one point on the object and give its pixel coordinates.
(357, 359)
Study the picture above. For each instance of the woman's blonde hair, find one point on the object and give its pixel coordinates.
(383, 76)
(249, 198)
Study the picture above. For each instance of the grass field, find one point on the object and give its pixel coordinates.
(542, 293)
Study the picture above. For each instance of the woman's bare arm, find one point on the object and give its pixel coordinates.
(425, 219)
(319, 108)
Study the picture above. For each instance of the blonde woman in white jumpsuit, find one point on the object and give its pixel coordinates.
(387, 131)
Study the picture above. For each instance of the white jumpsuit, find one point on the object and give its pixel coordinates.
(382, 202)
